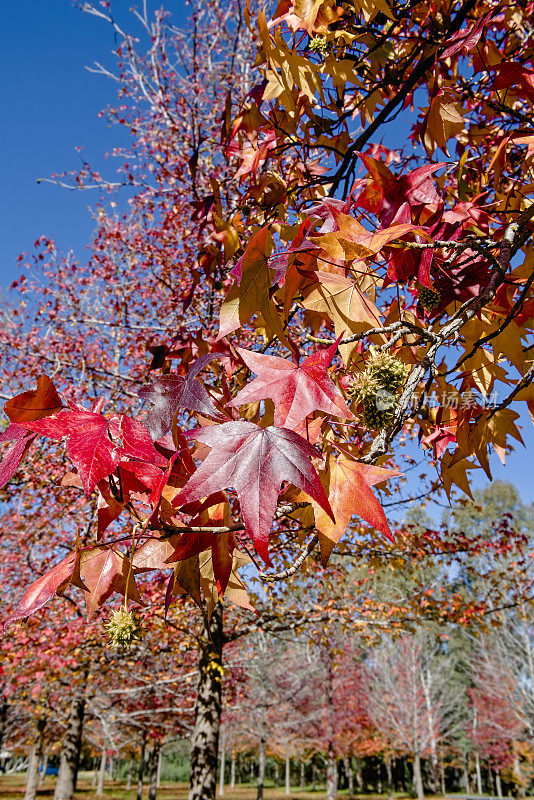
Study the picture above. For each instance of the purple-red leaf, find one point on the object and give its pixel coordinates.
(254, 461)
(171, 392)
(44, 588)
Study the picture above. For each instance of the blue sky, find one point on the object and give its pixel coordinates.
(50, 104)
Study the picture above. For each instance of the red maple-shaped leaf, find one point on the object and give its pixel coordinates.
(55, 581)
(40, 402)
(171, 392)
(296, 390)
(89, 445)
(254, 462)
(104, 571)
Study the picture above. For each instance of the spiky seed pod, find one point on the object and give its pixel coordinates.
(374, 417)
(318, 44)
(123, 629)
(386, 370)
(427, 298)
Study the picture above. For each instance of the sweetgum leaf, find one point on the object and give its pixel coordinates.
(296, 391)
(89, 446)
(171, 392)
(254, 461)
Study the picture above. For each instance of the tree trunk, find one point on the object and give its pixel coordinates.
(70, 753)
(205, 739)
(251, 773)
(518, 775)
(288, 772)
(232, 770)
(141, 770)
(110, 768)
(160, 767)
(417, 778)
(102, 772)
(42, 773)
(467, 786)
(222, 766)
(389, 773)
(331, 775)
(359, 776)
(302, 775)
(154, 761)
(129, 775)
(478, 773)
(498, 784)
(261, 766)
(3, 721)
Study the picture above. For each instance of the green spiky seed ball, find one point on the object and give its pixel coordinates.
(318, 44)
(427, 298)
(123, 629)
(386, 370)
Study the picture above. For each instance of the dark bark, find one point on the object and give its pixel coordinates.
(3, 721)
(205, 738)
(141, 770)
(154, 763)
(70, 753)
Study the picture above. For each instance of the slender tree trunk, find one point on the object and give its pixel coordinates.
(154, 761)
(129, 775)
(331, 775)
(222, 766)
(359, 777)
(160, 767)
(141, 770)
(478, 773)
(276, 774)
(314, 777)
(389, 774)
(442, 774)
(261, 762)
(110, 768)
(3, 721)
(467, 785)
(42, 773)
(70, 753)
(251, 773)
(288, 771)
(34, 761)
(102, 772)
(205, 739)
(498, 784)
(417, 778)
(232, 771)
(518, 774)
(302, 775)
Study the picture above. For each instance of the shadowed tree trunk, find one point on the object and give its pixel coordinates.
(154, 762)
(32, 774)
(389, 773)
(3, 720)
(302, 775)
(42, 773)
(261, 762)
(70, 753)
(141, 770)
(205, 739)
(129, 775)
(222, 766)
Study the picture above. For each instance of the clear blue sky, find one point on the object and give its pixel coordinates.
(50, 104)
